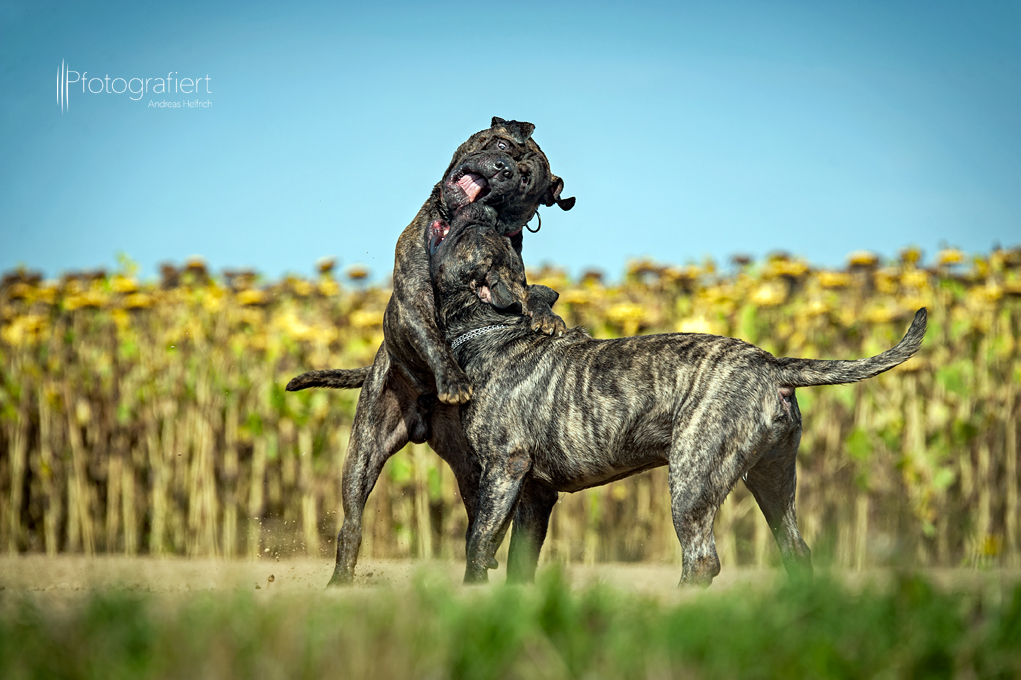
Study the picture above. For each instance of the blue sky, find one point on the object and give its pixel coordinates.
(684, 129)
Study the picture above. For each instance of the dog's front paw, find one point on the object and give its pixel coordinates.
(453, 387)
(545, 320)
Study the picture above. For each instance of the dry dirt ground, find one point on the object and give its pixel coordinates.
(70, 575)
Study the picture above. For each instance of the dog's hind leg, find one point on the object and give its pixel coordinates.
(700, 475)
(693, 516)
(772, 481)
(531, 521)
(380, 430)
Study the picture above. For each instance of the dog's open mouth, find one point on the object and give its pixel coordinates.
(438, 230)
(472, 184)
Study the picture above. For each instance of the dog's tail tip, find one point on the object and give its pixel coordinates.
(921, 317)
(916, 332)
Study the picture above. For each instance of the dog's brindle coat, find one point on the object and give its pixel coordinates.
(552, 414)
(502, 173)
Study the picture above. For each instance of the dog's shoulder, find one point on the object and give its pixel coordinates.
(411, 256)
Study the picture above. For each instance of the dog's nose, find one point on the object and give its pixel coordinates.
(502, 170)
(498, 167)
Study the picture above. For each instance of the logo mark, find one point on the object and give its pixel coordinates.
(62, 86)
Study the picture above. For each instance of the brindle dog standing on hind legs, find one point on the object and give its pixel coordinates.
(414, 387)
(565, 413)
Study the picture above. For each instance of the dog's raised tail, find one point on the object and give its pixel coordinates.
(808, 372)
(337, 378)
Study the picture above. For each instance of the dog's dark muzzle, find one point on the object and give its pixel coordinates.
(504, 299)
(487, 176)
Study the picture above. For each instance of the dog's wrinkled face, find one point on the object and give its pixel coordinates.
(473, 258)
(503, 169)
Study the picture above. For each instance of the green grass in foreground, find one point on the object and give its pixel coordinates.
(906, 629)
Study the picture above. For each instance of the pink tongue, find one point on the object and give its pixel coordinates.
(472, 184)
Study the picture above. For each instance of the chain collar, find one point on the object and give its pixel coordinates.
(474, 334)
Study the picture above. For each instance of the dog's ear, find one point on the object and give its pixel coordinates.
(517, 130)
(552, 195)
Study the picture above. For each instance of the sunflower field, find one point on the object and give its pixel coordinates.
(151, 417)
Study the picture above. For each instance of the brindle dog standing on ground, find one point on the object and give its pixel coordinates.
(412, 390)
(565, 413)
